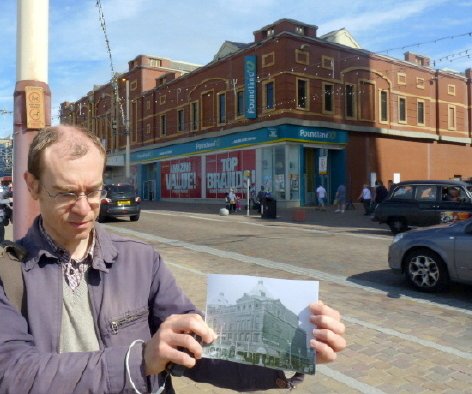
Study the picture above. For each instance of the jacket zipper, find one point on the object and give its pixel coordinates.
(123, 321)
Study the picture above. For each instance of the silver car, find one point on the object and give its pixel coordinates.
(431, 258)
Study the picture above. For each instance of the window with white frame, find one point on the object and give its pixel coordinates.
(221, 108)
(402, 109)
(328, 98)
(451, 117)
(383, 106)
(420, 112)
(302, 93)
(180, 120)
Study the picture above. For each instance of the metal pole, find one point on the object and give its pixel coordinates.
(32, 101)
(127, 170)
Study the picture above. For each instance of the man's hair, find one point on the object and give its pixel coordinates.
(76, 147)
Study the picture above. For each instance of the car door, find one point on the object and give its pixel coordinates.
(463, 255)
(457, 208)
(427, 197)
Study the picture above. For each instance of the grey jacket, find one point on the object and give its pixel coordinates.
(132, 291)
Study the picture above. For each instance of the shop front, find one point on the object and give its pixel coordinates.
(289, 161)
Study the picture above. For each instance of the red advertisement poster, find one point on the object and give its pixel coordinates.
(182, 178)
(225, 171)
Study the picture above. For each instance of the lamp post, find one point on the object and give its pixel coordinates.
(127, 159)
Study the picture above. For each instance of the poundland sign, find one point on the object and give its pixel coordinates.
(250, 87)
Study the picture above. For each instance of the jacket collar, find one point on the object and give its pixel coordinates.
(39, 249)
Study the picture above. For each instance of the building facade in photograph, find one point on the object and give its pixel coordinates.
(259, 329)
(289, 111)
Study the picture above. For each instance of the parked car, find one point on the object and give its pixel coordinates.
(121, 200)
(431, 258)
(424, 203)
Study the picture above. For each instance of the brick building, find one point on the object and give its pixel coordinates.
(289, 111)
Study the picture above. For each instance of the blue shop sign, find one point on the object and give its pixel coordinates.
(320, 135)
(250, 86)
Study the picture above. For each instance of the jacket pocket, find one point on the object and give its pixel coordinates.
(128, 321)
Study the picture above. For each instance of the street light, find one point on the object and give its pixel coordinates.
(127, 159)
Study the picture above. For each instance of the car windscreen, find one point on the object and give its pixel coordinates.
(120, 189)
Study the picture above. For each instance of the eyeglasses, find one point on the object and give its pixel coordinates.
(69, 198)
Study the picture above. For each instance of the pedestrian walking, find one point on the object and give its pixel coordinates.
(366, 198)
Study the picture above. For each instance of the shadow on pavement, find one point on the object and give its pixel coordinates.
(395, 286)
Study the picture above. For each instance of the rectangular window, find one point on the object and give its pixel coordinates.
(350, 97)
(222, 108)
(328, 97)
(451, 90)
(240, 103)
(402, 109)
(420, 112)
(180, 120)
(163, 125)
(451, 118)
(302, 93)
(194, 115)
(383, 106)
(367, 104)
(269, 95)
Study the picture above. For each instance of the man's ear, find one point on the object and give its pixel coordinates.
(33, 184)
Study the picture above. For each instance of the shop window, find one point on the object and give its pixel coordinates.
(402, 109)
(350, 100)
(383, 106)
(302, 94)
(328, 98)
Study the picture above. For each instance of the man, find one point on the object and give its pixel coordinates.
(321, 195)
(366, 198)
(104, 313)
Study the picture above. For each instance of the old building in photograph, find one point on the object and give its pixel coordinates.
(259, 329)
(288, 111)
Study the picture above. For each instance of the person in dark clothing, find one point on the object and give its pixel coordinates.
(381, 192)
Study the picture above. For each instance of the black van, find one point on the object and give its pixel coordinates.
(424, 203)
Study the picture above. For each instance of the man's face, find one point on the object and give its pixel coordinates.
(68, 224)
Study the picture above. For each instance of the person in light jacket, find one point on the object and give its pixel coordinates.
(104, 313)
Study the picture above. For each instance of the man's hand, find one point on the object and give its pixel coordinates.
(329, 332)
(174, 341)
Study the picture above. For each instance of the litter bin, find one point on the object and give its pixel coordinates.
(269, 208)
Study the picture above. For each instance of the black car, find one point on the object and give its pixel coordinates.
(121, 200)
(424, 203)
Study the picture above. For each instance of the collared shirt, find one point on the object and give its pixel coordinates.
(74, 270)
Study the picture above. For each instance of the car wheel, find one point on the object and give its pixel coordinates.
(397, 225)
(134, 218)
(425, 270)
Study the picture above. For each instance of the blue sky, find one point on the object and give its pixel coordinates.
(193, 31)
